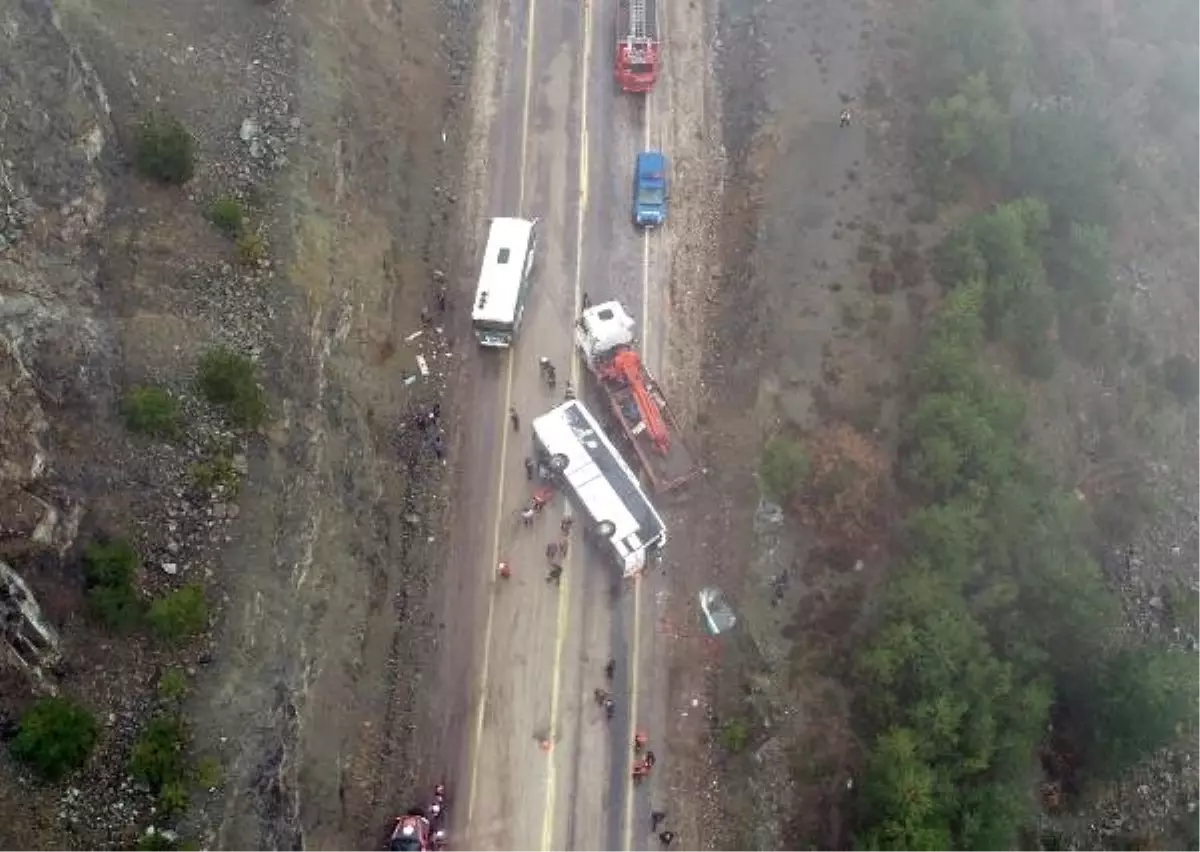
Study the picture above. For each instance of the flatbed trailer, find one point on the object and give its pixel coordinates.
(636, 402)
(667, 471)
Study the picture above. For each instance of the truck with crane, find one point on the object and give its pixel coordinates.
(638, 45)
(605, 338)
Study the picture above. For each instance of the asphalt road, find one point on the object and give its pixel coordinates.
(540, 767)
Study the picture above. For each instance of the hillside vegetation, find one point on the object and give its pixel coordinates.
(998, 650)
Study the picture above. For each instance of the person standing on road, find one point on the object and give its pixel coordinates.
(666, 838)
(565, 524)
(610, 668)
(439, 447)
(515, 419)
(656, 817)
(587, 300)
(529, 468)
(650, 759)
(555, 575)
(527, 516)
(844, 121)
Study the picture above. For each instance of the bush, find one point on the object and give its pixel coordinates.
(216, 473)
(109, 572)
(173, 685)
(971, 126)
(208, 773)
(172, 798)
(165, 150)
(179, 614)
(228, 379)
(782, 469)
(735, 735)
(251, 248)
(1181, 377)
(159, 753)
(55, 736)
(151, 411)
(226, 214)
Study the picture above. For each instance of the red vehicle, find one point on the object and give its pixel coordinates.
(638, 46)
(604, 336)
(421, 829)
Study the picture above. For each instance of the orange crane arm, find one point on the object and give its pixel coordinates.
(628, 365)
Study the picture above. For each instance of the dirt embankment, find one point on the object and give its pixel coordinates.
(335, 124)
(800, 334)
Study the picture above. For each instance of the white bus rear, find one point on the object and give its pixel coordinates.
(504, 281)
(619, 515)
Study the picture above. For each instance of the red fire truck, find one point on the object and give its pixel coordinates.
(638, 46)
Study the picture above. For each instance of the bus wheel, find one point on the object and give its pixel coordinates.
(558, 462)
(605, 529)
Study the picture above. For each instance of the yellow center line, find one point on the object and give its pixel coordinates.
(485, 664)
(635, 645)
(563, 614)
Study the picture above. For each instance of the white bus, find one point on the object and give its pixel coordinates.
(618, 514)
(504, 281)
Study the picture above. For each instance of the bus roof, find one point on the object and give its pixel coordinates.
(600, 478)
(500, 274)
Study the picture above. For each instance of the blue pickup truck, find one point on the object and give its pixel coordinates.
(650, 189)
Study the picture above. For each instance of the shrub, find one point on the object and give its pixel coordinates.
(226, 213)
(208, 773)
(216, 473)
(165, 150)
(150, 411)
(735, 735)
(251, 248)
(109, 572)
(173, 685)
(156, 841)
(179, 614)
(55, 736)
(1180, 377)
(228, 379)
(172, 798)
(782, 469)
(159, 753)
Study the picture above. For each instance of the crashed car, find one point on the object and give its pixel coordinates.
(421, 829)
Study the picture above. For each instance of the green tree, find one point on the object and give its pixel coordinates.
(229, 379)
(1068, 159)
(783, 469)
(151, 411)
(901, 795)
(160, 751)
(957, 39)
(165, 150)
(54, 737)
(1134, 703)
(226, 213)
(110, 573)
(1027, 323)
(972, 126)
(957, 259)
(1181, 377)
(1079, 267)
(179, 614)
